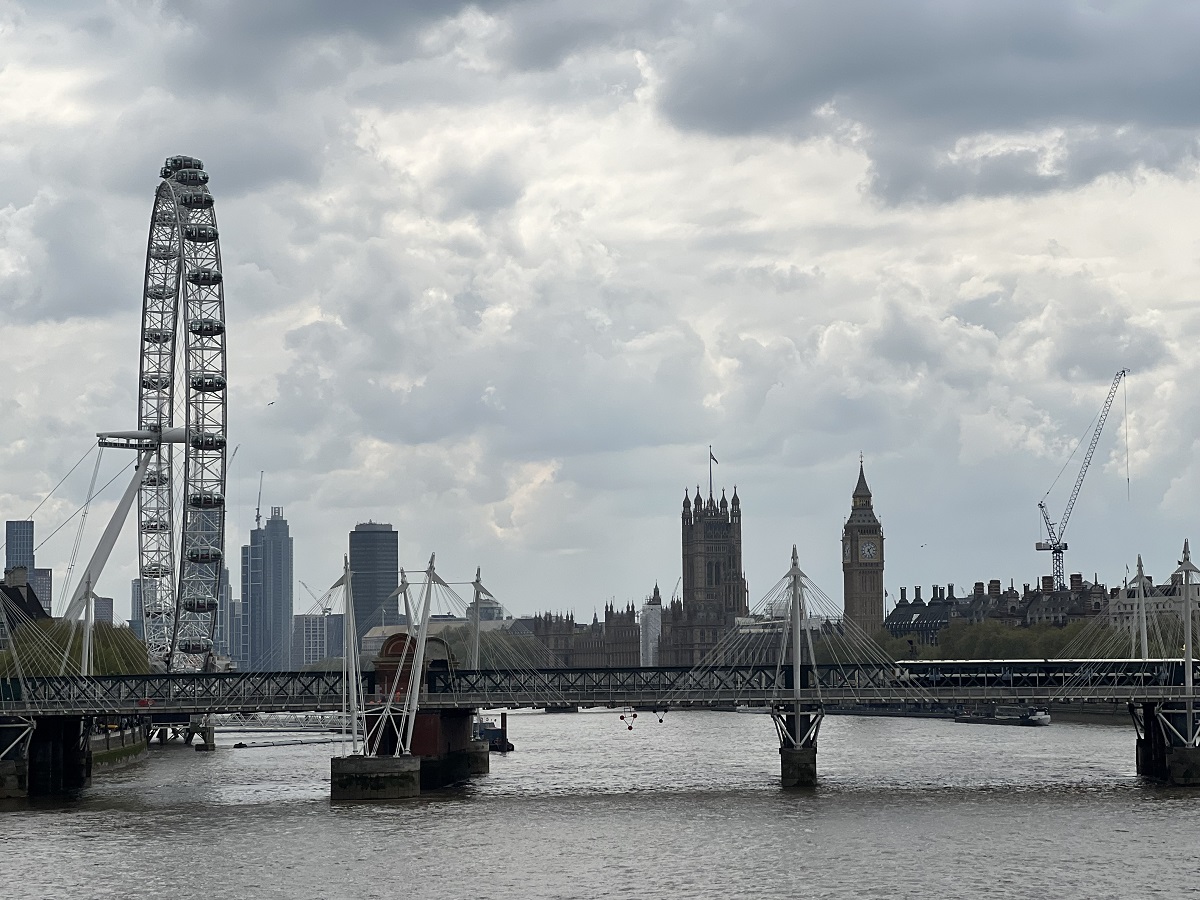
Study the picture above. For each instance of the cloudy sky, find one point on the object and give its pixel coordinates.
(498, 273)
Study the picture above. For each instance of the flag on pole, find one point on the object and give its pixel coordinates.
(710, 455)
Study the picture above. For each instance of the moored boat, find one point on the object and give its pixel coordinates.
(1006, 715)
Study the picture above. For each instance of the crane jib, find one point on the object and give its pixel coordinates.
(1055, 543)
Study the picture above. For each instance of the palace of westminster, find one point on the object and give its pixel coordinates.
(685, 630)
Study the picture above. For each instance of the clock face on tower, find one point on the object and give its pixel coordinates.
(868, 550)
(846, 550)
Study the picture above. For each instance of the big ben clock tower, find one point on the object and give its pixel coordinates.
(862, 560)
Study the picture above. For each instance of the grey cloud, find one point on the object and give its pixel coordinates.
(491, 185)
(544, 32)
(918, 77)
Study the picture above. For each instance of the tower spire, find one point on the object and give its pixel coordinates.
(862, 493)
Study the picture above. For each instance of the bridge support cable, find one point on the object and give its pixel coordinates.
(504, 661)
(352, 687)
(387, 718)
(408, 715)
(33, 652)
(1101, 673)
(1141, 609)
(799, 729)
(843, 662)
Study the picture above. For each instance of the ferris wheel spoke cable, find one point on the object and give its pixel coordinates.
(90, 450)
(79, 509)
(91, 493)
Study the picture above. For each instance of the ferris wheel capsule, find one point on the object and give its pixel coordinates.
(207, 384)
(206, 327)
(156, 477)
(175, 163)
(201, 234)
(199, 604)
(190, 177)
(199, 199)
(206, 440)
(206, 555)
(196, 646)
(204, 277)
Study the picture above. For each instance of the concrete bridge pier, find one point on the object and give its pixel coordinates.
(55, 759)
(15, 735)
(359, 778)
(798, 749)
(203, 728)
(208, 738)
(1161, 751)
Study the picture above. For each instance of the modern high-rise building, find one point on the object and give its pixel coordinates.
(103, 610)
(42, 582)
(239, 635)
(375, 564)
(18, 551)
(862, 561)
(18, 544)
(267, 594)
(223, 627)
(142, 592)
(316, 637)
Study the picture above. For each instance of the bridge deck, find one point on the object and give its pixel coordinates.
(949, 683)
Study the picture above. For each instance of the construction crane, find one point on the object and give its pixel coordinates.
(1056, 545)
(258, 504)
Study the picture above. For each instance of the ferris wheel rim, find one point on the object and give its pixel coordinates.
(182, 373)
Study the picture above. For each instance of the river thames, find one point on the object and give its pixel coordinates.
(586, 808)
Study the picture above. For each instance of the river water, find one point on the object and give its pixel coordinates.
(690, 807)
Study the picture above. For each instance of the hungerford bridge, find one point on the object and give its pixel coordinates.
(178, 488)
(1161, 707)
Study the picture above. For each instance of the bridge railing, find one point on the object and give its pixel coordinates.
(190, 693)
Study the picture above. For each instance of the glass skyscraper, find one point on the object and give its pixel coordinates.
(267, 594)
(18, 551)
(375, 562)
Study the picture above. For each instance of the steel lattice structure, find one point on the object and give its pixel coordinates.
(942, 681)
(181, 383)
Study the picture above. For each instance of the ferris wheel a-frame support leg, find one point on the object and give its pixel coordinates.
(80, 600)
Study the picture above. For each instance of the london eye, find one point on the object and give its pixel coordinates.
(182, 400)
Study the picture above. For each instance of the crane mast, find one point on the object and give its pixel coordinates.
(1056, 545)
